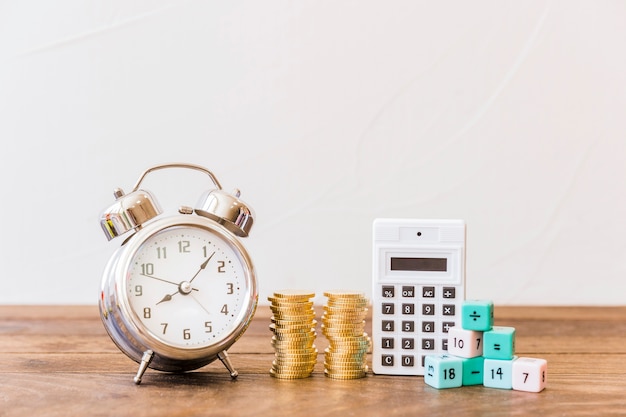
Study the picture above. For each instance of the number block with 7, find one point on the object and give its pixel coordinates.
(529, 374)
(443, 371)
(465, 343)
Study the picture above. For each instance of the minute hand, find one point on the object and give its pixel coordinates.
(204, 264)
(160, 279)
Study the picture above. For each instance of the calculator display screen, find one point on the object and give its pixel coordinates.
(419, 264)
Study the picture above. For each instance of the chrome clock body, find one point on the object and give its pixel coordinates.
(182, 288)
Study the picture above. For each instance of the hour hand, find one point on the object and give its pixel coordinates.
(167, 297)
(184, 287)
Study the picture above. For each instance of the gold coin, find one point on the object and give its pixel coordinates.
(345, 357)
(344, 367)
(339, 325)
(293, 366)
(297, 342)
(343, 306)
(330, 312)
(292, 306)
(294, 294)
(287, 337)
(289, 312)
(295, 323)
(344, 294)
(311, 354)
(289, 375)
(291, 329)
(346, 375)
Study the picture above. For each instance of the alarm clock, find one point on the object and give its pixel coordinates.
(182, 288)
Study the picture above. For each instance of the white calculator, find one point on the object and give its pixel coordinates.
(418, 278)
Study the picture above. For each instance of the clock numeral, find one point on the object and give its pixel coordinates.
(147, 313)
(164, 327)
(187, 334)
(230, 288)
(147, 269)
(208, 326)
(162, 253)
(221, 267)
(138, 290)
(224, 309)
(183, 246)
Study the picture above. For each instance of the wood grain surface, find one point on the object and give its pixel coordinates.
(59, 361)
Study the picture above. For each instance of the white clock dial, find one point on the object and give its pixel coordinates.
(187, 286)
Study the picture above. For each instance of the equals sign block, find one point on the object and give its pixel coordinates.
(499, 343)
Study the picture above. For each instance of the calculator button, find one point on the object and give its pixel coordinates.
(388, 325)
(428, 292)
(408, 308)
(408, 326)
(444, 344)
(428, 326)
(407, 360)
(387, 360)
(449, 309)
(408, 291)
(446, 325)
(388, 291)
(449, 292)
(428, 309)
(387, 343)
(428, 344)
(388, 308)
(408, 344)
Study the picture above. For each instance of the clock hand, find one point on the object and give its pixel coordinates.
(168, 297)
(200, 304)
(160, 279)
(204, 264)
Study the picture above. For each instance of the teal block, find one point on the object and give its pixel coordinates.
(443, 371)
(473, 369)
(477, 315)
(499, 343)
(498, 373)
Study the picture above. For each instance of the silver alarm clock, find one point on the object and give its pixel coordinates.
(182, 288)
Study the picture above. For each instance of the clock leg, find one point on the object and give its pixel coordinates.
(223, 356)
(148, 355)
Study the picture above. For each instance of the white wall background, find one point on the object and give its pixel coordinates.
(326, 114)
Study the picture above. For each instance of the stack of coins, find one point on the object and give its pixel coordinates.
(343, 324)
(293, 325)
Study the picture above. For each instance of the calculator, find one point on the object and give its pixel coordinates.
(418, 277)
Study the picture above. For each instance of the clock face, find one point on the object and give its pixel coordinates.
(188, 287)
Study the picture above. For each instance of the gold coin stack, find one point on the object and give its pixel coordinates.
(343, 324)
(293, 325)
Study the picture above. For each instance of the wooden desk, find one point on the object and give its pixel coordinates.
(58, 361)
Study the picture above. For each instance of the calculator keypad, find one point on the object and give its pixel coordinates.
(410, 322)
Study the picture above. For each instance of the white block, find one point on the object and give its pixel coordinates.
(530, 374)
(465, 343)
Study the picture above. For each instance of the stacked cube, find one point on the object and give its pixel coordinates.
(481, 353)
